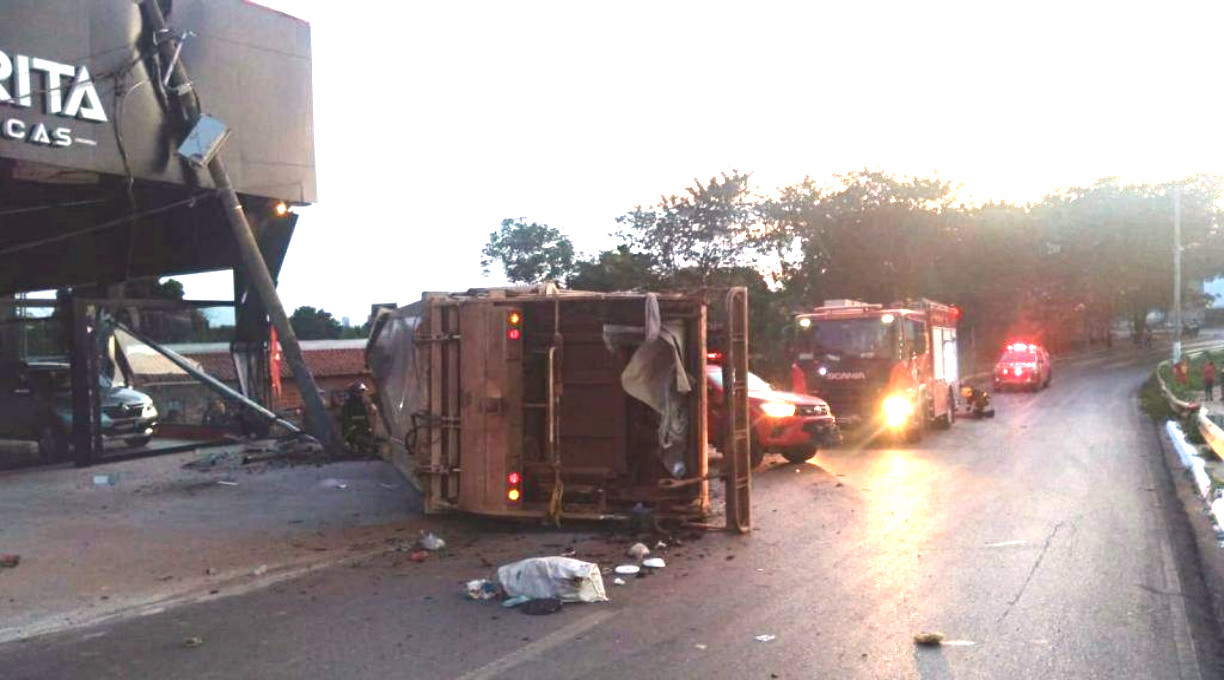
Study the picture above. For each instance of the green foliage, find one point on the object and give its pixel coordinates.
(529, 253)
(314, 324)
(355, 332)
(708, 229)
(617, 269)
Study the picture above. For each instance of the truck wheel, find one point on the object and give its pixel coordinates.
(945, 421)
(799, 454)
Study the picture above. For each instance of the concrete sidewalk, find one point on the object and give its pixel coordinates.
(163, 534)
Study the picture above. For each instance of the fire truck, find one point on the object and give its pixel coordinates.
(886, 369)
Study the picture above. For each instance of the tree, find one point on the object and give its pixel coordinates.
(869, 235)
(617, 269)
(708, 229)
(529, 253)
(314, 324)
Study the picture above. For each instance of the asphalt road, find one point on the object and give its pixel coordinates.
(1038, 543)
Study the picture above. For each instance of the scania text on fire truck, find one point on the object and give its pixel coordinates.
(890, 368)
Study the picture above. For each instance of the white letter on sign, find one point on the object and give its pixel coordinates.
(6, 71)
(54, 80)
(83, 89)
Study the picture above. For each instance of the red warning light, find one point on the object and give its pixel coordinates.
(514, 334)
(514, 478)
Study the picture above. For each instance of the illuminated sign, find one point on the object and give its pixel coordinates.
(59, 89)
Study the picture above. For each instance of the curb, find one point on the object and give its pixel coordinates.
(239, 585)
(1191, 461)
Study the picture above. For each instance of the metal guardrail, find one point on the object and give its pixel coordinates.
(1179, 405)
(1212, 433)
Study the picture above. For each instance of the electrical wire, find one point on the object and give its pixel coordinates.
(53, 206)
(194, 198)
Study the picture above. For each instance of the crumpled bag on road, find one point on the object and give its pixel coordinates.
(564, 578)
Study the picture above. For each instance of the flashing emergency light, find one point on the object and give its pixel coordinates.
(514, 319)
(281, 208)
(887, 318)
(513, 493)
(714, 356)
(805, 323)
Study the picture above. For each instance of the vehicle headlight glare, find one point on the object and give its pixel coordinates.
(897, 410)
(777, 409)
(149, 411)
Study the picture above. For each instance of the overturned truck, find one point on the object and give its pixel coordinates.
(538, 402)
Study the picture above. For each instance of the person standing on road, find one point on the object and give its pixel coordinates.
(1209, 374)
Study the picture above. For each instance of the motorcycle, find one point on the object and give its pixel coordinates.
(977, 402)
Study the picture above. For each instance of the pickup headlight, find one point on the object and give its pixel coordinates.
(149, 411)
(778, 409)
(897, 410)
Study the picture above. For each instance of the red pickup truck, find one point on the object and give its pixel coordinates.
(795, 425)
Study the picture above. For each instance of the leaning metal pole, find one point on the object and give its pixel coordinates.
(179, 87)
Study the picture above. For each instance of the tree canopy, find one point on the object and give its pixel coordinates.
(529, 252)
(315, 324)
(1073, 262)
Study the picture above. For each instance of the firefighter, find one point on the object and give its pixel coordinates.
(355, 419)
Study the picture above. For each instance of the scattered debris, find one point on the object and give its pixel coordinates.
(700, 646)
(512, 602)
(661, 545)
(418, 556)
(563, 578)
(766, 638)
(9, 561)
(260, 570)
(929, 639)
(958, 643)
(628, 569)
(226, 482)
(1004, 544)
(211, 571)
(638, 551)
(654, 563)
(333, 484)
(431, 541)
(541, 606)
(618, 581)
(481, 589)
(104, 480)
(194, 641)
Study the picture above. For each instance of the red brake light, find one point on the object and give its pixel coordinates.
(514, 334)
(714, 356)
(514, 478)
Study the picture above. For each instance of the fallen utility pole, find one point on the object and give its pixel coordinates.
(209, 381)
(179, 87)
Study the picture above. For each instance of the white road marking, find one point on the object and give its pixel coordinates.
(523, 654)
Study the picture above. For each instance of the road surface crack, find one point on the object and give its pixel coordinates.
(1033, 571)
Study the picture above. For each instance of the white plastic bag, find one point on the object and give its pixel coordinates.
(564, 578)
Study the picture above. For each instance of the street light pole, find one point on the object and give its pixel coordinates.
(1177, 282)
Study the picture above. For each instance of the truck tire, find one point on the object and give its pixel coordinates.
(758, 455)
(945, 421)
(799, 454)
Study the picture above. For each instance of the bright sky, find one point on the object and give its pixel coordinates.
(433, 121)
